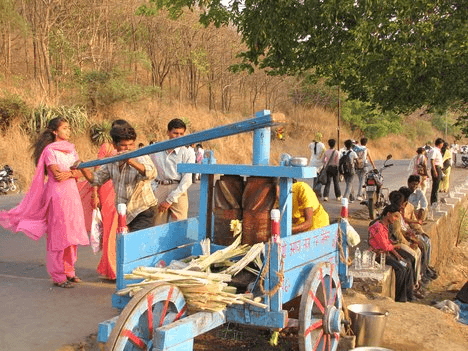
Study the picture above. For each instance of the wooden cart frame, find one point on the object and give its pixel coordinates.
(310, 264)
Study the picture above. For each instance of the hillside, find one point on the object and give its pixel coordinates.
(111, 61)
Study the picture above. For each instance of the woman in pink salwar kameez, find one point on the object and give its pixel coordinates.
(53, 207)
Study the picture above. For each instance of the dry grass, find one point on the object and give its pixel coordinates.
(150, 118)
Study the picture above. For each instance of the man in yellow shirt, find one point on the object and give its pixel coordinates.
(307, 212)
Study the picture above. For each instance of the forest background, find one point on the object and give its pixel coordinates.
(95, 61)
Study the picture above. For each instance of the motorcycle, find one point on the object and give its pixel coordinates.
(377, 195)
(7, 181)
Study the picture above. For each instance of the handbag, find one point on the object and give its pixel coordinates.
(96, 230)
(322, 177)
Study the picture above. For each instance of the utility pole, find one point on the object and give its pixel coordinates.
(339, 117)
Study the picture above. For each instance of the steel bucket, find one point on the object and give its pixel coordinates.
(368, 323)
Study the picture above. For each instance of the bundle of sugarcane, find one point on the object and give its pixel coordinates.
(201, 290)
(252, 255)
(204, 262)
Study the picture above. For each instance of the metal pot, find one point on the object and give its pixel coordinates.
(368, 324)
(298, 162)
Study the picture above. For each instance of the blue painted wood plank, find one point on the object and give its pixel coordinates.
(105, 328)
(184, 346)
(214, 133)
(261, 145)
(295, 278)
(172, 335)
(158, 239)
(249, 170)
(345, 278)
(275, 268)
(246, 315)
(150, 261)
(119, 302)
(303, 247)
(285, 206)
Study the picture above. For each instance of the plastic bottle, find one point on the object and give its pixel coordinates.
(383, 258)
(357, 259)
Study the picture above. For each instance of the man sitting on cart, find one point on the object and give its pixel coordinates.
(307, 212)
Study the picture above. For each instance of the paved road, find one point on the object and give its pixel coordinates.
(36, 316)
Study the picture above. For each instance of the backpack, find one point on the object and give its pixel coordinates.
(345, 165)
(360, 159)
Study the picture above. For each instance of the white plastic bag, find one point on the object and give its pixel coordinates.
(352, 235)
(96, 230)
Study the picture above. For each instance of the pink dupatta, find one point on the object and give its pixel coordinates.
(30, 216)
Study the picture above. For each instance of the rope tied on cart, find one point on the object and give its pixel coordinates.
(347, 261)
(265, 269)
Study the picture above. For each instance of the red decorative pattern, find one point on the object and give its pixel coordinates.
(313, 327)
(181, 313)
(317, 302)
(149, 298)
(166, 305)
(133, 338)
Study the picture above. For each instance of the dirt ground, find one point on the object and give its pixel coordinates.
(415, 326)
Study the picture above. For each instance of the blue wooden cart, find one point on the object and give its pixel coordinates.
(312, 263)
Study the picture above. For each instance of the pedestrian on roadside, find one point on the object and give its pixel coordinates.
(362, 162)
(53, 206)
(418, 166)
(446, 168)
(347, 165)
(436, 161)
(331, 156)
(131, 179)
(199, 155)
(170, 187)
(317, 149)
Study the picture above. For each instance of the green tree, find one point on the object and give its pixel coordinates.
(396, 54)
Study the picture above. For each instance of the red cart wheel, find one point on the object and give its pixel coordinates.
(154, 306)
(320, 311)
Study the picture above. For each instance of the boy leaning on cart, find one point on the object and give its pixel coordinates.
(131, 179)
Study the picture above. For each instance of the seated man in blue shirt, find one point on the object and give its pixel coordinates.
(417, 197)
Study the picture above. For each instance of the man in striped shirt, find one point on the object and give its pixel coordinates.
(131, 179)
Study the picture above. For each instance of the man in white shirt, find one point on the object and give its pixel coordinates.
(170, 187)
(317, 149)
(363, 156)
(435, 161)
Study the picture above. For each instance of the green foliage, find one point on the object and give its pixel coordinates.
(40, 117)
(315, 93)
(103, 88)
(399, 55)
(371, 122)
(99, 132)
(424, 130)
(12, 106)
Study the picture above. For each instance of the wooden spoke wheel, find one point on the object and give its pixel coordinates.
(320, 310)
(151, 308)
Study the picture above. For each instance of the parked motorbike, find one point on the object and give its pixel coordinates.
(7, 182)
(377, 195)
(464, 159)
